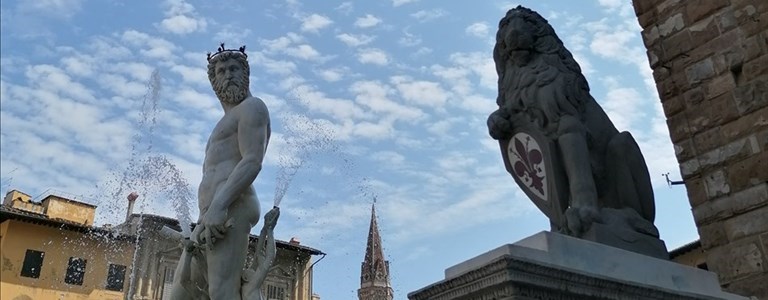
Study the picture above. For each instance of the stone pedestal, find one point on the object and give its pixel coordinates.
(554, 266)
(627, 240)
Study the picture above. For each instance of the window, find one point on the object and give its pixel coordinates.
(115, 277)
(168, 281)
(75, 271)
(33, 261)
(274, 292)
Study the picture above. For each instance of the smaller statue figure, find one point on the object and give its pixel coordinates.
(556, 140)
(185, 287)
(253, 277)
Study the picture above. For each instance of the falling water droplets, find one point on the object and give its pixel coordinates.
(304, 138)
(152, 175)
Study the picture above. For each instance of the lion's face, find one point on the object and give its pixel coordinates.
(516, 40)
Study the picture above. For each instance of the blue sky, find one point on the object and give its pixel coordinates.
(384, 99)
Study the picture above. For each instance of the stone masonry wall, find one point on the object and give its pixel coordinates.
(710, 63)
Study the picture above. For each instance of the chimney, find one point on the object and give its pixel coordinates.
(294, 241)
(131, 199)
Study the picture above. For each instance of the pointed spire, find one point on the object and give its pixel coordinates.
(374, 254)
(374, 275)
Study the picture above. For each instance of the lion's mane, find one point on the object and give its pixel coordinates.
(549, 84)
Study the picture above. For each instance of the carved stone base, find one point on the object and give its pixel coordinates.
(554, 266)
(627, 240)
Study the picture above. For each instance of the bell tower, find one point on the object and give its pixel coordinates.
(374, 273)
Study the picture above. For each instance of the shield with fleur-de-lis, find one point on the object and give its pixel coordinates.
(532, 160)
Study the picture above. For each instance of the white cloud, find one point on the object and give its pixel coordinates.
(479, 29)
(480, 64)
(610, 3)
(430, 216)
(278, 44)
(178, 7)
(304, 52)
(422, 51)
(79, 65)
(482, 105)
(397, 3)
(345, 8)
(291, 82)
(182, 24)
(232, 35)
(612, 44)
(624, 105)
(614, 5)
(375, 96)
(138, 71)
(54, 79)
(409, 40)
(455, 77)
(420, 92)
(272, 66)
(194, 75)
(71, 116)
(317, 101)
(429, 15)
(181, 18)
(280, 67)
(153, 47)
(375, 131)
(367, 21)
(443, 127)
(553, 15)
(617, 42)
(507, 5)
(389, 158)
(336, 216)
(372, 56)
(575, 41)
(353, 40)
(54, 8)
(331, 75)
(121, 85)
(315, 22)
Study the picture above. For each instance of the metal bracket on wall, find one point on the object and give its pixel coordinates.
(672, 182)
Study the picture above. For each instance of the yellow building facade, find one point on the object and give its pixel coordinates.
(51, 250)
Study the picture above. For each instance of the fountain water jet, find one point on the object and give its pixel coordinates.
(305, 137)
(152, 174)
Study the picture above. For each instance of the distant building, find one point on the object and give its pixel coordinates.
(51, 250)
(690, 254)
(374, 272)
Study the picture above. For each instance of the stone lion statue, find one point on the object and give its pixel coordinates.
(541, 86)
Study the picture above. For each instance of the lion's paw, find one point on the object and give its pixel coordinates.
(499, 125)
(579, 219)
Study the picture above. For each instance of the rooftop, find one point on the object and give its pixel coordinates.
(10, 213)
(684, 249)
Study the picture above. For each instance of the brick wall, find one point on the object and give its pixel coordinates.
(710, 63)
